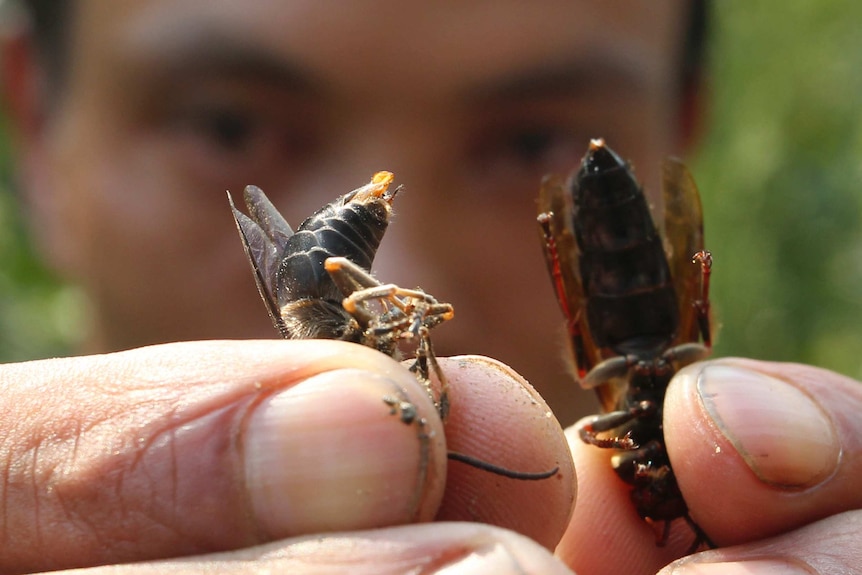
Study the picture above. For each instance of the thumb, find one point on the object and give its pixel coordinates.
(205, 446)
(762, 448)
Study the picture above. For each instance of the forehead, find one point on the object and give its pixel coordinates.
(385, 45)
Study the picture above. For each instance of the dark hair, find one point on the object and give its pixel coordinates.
(51, 25)
(51, 21)
(694, 44)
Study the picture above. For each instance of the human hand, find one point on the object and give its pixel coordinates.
(195, 448)
(775, 484)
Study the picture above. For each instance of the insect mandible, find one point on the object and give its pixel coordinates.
(637, 310)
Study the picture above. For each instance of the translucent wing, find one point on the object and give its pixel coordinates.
(263, 236)
(683, 237)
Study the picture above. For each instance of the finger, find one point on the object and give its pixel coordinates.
(204, 446)
(605, 534)
(453, 548)
(827, 547)
(757, 448)
(498, 417)
(762, 448)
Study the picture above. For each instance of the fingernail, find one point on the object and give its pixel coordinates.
(328, 454)
(753, 567)
(783, 435)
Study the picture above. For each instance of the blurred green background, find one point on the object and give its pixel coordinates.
(779, 173)
(39, 317)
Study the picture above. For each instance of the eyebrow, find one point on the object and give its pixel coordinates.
(203, 52)
(565, 77)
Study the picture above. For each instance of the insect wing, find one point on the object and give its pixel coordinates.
(263, 237)
(555, 203)
(683, 237)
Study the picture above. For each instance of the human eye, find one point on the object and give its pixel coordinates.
(515, 145)
(236, 140)
(223, 130)
(537, 148)
(510, 157)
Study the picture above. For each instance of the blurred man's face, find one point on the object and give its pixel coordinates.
(171, 102)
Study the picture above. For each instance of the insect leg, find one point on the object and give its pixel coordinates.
(438, 313)
(573, 326)
(418, 312)
(700, 536)
(352, 279)
(607, 370)
(656, 492)
(357, 302)
(686, 353)
(413, 302)
(704, 258)
(425, 357)
(611, 420)
(361, 287)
